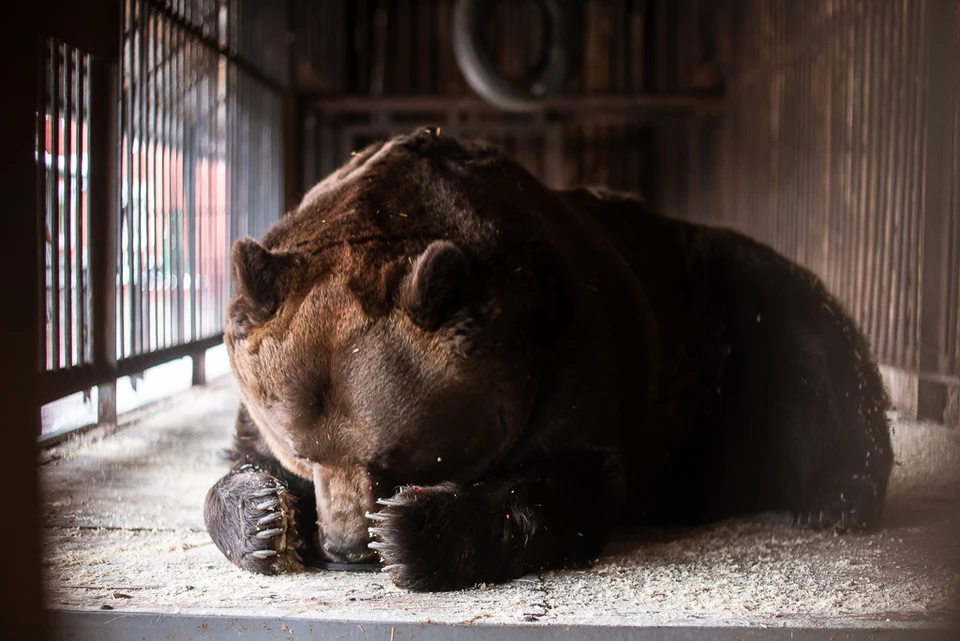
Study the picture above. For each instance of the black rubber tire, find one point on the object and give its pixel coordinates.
(560, 57)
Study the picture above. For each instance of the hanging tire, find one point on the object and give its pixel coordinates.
(558, 59)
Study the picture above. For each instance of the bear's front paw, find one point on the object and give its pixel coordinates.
(439, 538)
(844, 504)
(250, 516)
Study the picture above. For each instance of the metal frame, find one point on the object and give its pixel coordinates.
(20, 49)
(119, 625)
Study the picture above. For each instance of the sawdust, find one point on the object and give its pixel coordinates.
(124, 516)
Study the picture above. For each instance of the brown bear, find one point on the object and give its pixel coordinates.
(448, 367)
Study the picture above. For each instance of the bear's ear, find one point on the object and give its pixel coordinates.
(438, 286)
(261, 278)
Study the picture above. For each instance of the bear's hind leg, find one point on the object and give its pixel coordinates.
(839, 407)
(801, 390)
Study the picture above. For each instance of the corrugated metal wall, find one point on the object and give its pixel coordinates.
(840, 146)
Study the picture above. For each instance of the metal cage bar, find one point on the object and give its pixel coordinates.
(187, 75)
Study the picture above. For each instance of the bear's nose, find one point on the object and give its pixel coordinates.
(343, 550)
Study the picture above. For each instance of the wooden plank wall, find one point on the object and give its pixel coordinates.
(838, 141)
(401, 48)
(839, 147)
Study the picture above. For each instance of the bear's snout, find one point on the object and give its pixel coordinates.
(346, 550)
(344, 496)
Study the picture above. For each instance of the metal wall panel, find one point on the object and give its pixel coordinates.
(825, 153)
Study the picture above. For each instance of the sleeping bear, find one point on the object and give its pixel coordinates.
(450, 369)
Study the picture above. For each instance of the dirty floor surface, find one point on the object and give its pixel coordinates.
(124, 532)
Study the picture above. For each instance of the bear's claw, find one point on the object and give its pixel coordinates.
(268, 505)
(267, 491)
(270, 518)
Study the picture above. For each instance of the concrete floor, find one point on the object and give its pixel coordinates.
(125, 538)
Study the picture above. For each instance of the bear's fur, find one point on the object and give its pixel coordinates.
(447, 365)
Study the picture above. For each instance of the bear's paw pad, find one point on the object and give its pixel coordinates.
(264, 536)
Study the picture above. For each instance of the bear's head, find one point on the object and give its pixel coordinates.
(384, 332)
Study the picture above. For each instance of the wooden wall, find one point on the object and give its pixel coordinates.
(840, 146)
(393, 50)
(837, 140)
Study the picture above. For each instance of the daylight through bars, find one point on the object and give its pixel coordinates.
(62, 168)
(188, 188)
(197, 162)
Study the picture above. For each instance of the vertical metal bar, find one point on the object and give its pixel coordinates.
(104, 205)
(163, 206)
(199, 368)
(155, 209)
(189, 153)
(200, 142)
(173, 141)
(42, 208)
(220, 194)
(68, 53)
(181, 183)
(203, 161)
(212, 160)
(133, 84)
(55, 76)
(83, 339)
(123, 166)
(143, 206)
(131, 294)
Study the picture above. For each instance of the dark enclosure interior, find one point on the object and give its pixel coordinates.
(147, 136)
